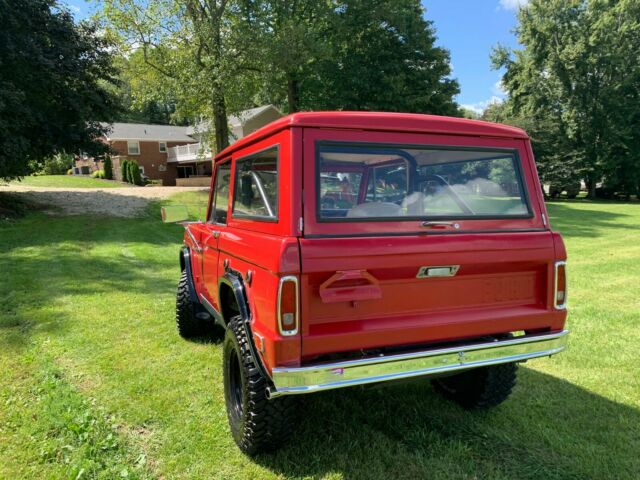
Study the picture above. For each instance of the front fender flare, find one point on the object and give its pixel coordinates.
(185, 265)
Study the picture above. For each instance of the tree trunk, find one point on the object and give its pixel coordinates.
(220, 125)
(293, 93)
(591, 188)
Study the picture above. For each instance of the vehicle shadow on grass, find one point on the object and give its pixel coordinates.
(581, 222)
(549, 428)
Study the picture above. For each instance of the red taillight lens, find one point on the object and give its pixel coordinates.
(560, 298)
(288, 306)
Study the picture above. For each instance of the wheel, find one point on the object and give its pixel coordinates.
(191, 319)
(257, 424)
(479, 388)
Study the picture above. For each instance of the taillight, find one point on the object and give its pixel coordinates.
(288, 306)
(560, 290)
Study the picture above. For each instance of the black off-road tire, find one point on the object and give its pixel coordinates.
(257, 423)
(191, 319)
(479, 388)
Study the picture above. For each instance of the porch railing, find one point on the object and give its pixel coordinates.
(188, 153)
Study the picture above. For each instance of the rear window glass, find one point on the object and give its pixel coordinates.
(391, 183)
(256, 186)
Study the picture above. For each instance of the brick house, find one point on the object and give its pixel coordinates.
(171, 154)
(148, 145)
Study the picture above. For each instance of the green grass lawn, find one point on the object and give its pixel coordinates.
(68, 181)
(96, 383)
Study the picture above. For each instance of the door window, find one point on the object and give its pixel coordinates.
(220, 198)
(256, 186)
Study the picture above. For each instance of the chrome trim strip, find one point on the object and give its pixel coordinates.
(314, 378)
(563, 306)
(289, 333)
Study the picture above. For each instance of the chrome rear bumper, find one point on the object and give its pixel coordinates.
(319, 377)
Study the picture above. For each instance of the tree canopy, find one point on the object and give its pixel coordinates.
(576, 83)
(54, 78)
(216, 57)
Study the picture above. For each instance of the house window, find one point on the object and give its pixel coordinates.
(133, 147)
(163, 147)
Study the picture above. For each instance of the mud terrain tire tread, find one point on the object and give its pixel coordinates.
(262, 424)
(189, 325)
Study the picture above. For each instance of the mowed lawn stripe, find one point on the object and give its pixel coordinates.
(96, 295)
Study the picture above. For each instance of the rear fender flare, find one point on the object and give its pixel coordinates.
(234, 280)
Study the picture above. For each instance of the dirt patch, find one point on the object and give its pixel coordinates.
(118, 202)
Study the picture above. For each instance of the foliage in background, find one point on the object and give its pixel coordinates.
(134, 173)
(58, 164)
(381, 56)
(576, 85)
(98, 174)
(108, 168)
(124, 170)
(52, 84)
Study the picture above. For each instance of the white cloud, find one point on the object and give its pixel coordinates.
(498, 89)
(479, 107)
(513, 4)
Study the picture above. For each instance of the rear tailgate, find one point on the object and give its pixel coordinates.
(374, 282)
(501, 284)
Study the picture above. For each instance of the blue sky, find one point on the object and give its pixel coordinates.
(467, 28)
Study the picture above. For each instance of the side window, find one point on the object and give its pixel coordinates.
(387, 184)
(220, 199)
(256, 186)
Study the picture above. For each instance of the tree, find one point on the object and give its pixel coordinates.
(188, 49)
(54, 78)
(578, 80)
(382, 57)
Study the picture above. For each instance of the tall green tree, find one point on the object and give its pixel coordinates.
(383, 57)
(578, 79)
(189, 50)
(54, 78)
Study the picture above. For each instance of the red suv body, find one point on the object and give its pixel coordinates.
(351, 248)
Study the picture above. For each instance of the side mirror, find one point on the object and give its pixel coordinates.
(174, 214)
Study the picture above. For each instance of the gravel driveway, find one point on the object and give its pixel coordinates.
(119, 202)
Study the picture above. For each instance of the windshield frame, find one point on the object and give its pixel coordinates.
(399, 149)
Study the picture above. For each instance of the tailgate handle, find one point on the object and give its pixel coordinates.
(367, 287)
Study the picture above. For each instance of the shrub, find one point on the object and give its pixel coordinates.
(58, 164)
(108, 168)
(136, 178)
(124, 168)
(98, 174)
(70, 171)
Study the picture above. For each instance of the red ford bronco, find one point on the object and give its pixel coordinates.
(350, 248)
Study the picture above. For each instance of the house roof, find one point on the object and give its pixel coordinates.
(234, 120)
(246, 115)
(381, 121)
(143, 131)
